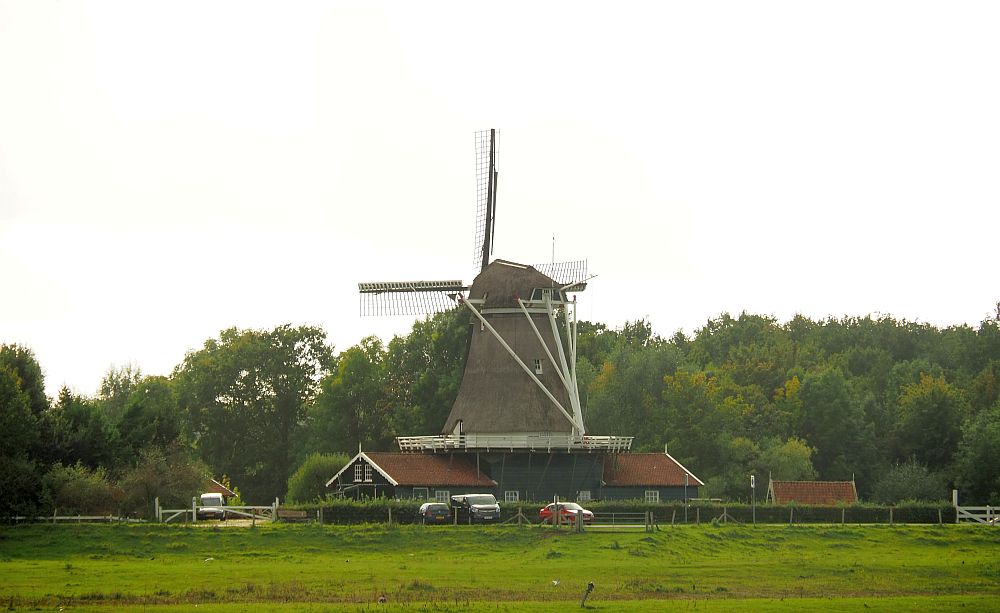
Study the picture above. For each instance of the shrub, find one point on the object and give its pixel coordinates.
(909, 481)
(308, 483)
(76, 489)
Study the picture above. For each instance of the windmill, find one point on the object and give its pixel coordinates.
(519, 388)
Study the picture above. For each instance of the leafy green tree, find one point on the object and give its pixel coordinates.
(977, 462)
(930, 420)
(353, 407)
(80, 432)
(694, 423)
(834, 425)
(18, 423)
(150, 416)
(308, 483)
(423, 371)
(628, 390)
(116, 388)
(19, 473)
(790, 460)
(985, 387)
(246, 394)
(22, 362)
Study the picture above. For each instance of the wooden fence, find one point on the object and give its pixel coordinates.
(254, 513)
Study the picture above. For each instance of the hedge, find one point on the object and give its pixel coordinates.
(404, 511)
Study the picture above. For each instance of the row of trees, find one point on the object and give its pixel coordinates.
(906, 409)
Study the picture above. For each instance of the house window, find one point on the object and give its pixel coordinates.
(359, 471)
(442, 495)
(368, 473)
(652, 495)
(538, 367)
(583, 496)
(511, 496)
(420, 493)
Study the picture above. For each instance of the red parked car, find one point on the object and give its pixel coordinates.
(567, 512)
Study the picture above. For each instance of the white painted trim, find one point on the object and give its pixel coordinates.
(361, 455)
(700, 482)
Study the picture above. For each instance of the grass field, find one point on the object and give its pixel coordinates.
(324, 568)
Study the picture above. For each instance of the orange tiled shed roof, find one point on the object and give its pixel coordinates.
(420, 469)
(813, 492)
(656, 469)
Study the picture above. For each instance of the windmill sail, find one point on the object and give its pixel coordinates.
(486, 192)
(408, 297)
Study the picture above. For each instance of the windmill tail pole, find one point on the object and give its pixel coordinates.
(590, 588)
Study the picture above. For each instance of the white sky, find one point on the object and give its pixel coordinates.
(171, 169)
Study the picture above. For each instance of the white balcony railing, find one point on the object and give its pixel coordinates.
(500, 442)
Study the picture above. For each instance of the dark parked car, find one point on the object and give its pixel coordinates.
(567, 512)
(434, 513)
(477, 507)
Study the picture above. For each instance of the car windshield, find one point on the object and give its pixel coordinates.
(211, 499)
(437, 506)
(572, 506)
(481, 500)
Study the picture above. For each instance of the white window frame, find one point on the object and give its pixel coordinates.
(420, 493)
(652, 495)
(512, 496)
(538, 367)
(442, 496)
(358, 472)
(369, 472)
(583, 496)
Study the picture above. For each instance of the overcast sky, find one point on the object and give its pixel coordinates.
(171, 169)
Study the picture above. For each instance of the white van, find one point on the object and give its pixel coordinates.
(211, 507)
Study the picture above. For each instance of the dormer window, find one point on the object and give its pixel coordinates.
(546, 293)
(538, 367)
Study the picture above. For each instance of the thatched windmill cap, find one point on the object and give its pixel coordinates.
(503, 282)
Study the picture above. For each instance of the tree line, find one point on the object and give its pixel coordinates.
(905, 409)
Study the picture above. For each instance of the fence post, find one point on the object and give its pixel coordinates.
(194, 510)
(791, 515)
(156, 510)
(843, 512)
(940, 522)
(390, 516)
(274, 510)
(673, 517)
(890, 516)
(697, 516)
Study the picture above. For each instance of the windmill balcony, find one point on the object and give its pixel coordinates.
(524, 441)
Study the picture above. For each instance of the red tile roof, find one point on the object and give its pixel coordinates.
(813, 492)
(421, 469)
(657, 469)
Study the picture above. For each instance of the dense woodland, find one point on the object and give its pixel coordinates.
(906, 409)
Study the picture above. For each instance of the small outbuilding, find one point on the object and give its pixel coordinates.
(812, 492)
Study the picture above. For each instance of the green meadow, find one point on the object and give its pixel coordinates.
(322, 568)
